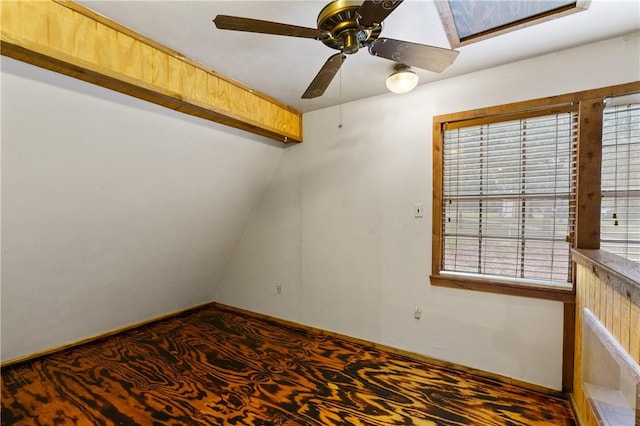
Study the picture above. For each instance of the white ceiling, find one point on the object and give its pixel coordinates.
(283, 67)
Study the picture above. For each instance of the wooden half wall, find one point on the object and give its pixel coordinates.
(68, 38)
(612, 295)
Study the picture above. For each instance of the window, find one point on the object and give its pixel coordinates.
(620, 208)
(508, 198)
(516, 187)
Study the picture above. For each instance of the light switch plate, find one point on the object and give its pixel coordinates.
(418, 210)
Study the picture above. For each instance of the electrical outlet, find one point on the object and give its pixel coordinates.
(278, 289)
(417, 313)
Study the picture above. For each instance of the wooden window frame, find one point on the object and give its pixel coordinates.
(589, 105)
(537, 113)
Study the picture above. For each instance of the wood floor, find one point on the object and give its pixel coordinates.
(215, 366)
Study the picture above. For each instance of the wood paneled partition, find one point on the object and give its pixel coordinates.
(612, 295)
(71, 39)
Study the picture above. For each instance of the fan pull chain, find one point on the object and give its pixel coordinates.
(340, 104)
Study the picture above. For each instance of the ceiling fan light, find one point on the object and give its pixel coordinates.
(402, 80)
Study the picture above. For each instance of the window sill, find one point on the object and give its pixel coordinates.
(508, 288)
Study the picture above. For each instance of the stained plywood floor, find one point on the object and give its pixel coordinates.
(215, 366)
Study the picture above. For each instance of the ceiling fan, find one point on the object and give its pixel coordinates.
(348, 26)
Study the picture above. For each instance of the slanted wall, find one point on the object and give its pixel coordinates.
(114, 210)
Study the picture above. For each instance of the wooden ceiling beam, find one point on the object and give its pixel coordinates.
(68, 38)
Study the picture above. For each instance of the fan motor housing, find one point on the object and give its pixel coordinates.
(340, 20)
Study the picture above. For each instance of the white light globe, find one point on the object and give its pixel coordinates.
(402, 81)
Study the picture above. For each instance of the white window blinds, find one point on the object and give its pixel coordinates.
(620, 208)
(508, 198)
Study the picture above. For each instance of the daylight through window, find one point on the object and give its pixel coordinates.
(508, 198)
(620, 208)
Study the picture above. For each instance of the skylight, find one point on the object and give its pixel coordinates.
(469, 21)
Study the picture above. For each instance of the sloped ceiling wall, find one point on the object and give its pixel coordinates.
(114, 210)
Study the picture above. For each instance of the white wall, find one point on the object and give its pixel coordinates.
(336, 227)
(114, 210)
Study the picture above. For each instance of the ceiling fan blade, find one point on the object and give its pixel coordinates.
(373, 12)
(429, 58)
(225, 22)
(324, 76)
